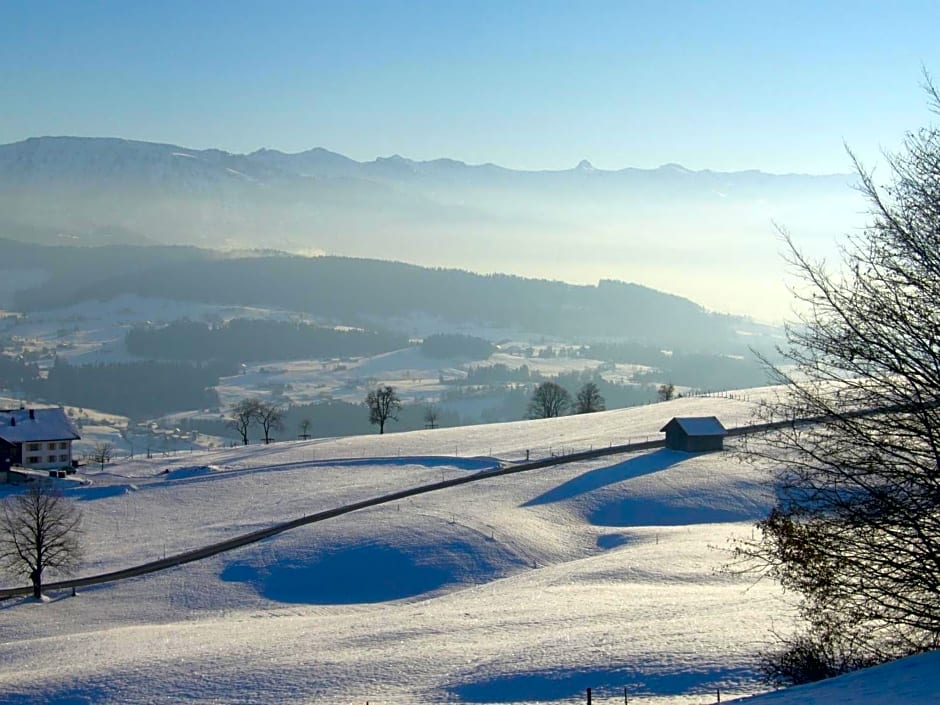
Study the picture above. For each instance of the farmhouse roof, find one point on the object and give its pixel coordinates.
(698, 425)
(26, 425)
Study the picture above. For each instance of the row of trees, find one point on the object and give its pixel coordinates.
(450, 345)
(384, 404)
(550, 400)
(258, 340)
(140, 390)
(250, 412)
(330, 417)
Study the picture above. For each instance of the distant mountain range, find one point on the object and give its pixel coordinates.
(106, 159)
(580, 224)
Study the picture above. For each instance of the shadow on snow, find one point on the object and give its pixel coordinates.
(602, 477)
(369, 573)
(605, 683)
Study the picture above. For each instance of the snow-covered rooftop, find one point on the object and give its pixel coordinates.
(698, 425)
(29, 425)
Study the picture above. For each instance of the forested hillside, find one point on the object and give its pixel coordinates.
(256, 340)
(140, 390)
(349, 290)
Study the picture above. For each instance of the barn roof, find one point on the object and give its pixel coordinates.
(27, 425)
(698, 425)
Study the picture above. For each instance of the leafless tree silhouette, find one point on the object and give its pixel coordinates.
(856, 527)
(39, 531)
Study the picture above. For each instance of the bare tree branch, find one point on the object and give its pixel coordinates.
(856, 526)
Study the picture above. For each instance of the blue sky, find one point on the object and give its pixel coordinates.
(730, 85)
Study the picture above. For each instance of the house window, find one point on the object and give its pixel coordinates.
(32, 459)
(63, 445)
(51, 459)
(34, 446)
(52, 446)
(63, 458)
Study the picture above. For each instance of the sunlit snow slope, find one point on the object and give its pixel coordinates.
(526, 588)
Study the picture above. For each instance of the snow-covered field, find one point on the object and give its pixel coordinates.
(93, 332)
(526, 588)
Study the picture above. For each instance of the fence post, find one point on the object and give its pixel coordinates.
(588, 696)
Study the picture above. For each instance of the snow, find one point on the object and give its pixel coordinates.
(911, 681)
(22, 425)
(525, 588)
(709, 426)
(93, 332)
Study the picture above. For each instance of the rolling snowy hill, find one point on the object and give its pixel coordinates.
(527, 588)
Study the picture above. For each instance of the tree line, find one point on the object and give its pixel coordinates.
(16, 373)
(704, 370)
(256, 340)
(139, 390)
(451, 345)
(325, 419)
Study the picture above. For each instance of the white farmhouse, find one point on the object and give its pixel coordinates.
(36, 438)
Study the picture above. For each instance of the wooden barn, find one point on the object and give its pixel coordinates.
(695, 434)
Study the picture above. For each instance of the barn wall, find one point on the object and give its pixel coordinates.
(701, 444)
(675, 439)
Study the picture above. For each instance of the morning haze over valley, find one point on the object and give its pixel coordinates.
(479, 353)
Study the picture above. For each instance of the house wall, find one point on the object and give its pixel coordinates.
(9, 454)
(46, 455)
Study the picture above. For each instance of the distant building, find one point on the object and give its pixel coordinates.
(36, 438)
(695, 434)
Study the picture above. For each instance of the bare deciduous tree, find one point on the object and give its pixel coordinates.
(549, 400)
(856, 527)
(243, 414)
(101, 453)
(589, 399)
(384, 404)
(270, 417)
(666, 392)
(430, 416)
(39, 531)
